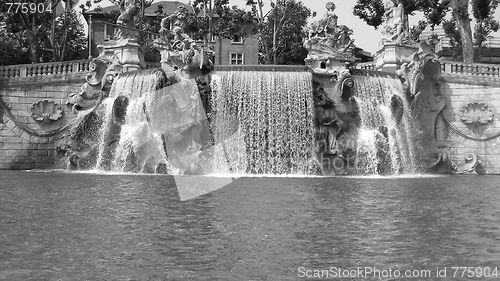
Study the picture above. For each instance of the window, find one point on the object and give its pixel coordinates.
(212, 38)
(236, 58)
(237, 39)
(109, 30)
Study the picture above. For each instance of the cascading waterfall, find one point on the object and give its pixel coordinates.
(394, 151)
(127, 140)
(261, 122)
(264, 121)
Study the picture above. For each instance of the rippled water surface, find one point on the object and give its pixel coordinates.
(67, 226)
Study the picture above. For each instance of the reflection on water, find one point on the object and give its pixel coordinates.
(63, 226)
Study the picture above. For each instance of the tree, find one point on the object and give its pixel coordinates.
(259, 14)
(222, 21)
(284, 32)
(28, 26)
(9, 48)
(67, 37)
(372, 11)
(73, 43)
(483, 11)
(459, 10)
(450, 29)
(45, 34)
(435, 11)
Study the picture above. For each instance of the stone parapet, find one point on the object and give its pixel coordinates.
(471, 69)
(469, 124)
(43, 69)
(26, 143)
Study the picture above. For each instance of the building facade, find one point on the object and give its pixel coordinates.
(235, 51)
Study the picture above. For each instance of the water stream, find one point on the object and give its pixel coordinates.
(270, 116)
(127, 140)
(262, 122)
(394, 152)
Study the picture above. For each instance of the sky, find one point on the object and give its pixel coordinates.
(365, 36)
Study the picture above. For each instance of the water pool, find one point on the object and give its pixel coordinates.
(82, 226)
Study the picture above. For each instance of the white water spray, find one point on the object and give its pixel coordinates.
(373, 95)
(272, 114)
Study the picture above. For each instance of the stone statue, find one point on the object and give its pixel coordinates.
(330, 19)
(173, 26)
(103, 70)
(128, 10)
(327, 25)
(396, 21)
(343, 39)
(178, 50)
(327, 39)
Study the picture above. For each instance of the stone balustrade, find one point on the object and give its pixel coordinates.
(474, 69)
(453, 67)
(53, 68)
(50, 68)
(43, 69)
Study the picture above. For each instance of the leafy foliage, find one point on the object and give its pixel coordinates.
(483, 11)
(450, 28)
(47, 36)
(435, 12)
(283, 32)
(372, 12)
(222, 21)
(75, 45)
(12, 50)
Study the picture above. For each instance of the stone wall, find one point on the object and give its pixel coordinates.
(470, 122)
(26, 143)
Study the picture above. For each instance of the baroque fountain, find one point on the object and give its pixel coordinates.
(326, 118)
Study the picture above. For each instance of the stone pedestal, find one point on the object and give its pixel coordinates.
(128, 52)
(392, 55)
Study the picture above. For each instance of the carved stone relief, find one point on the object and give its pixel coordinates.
(103, 71)
(46, 111)
(472, 164)
(476, 113)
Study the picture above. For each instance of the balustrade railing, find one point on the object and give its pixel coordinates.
(82, 66)
(43, 69)
(474, 69)
(51, 68)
